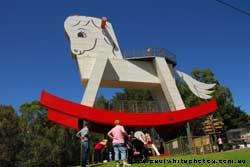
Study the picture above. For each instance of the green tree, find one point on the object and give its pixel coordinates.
(133, 94)
(9, 130)
(232, 116)
(45, 143)
(101, 102)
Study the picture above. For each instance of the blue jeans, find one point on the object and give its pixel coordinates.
(85, 153)
(119, 148)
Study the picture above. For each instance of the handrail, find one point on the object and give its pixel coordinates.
(148, 52)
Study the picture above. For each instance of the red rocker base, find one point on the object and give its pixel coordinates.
(68, 113)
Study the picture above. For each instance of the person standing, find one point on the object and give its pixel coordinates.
(149, 52)
(83, 134)
(117, 134)
(220, 144)
(151, 144)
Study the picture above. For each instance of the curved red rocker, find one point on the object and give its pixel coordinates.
(68, 113)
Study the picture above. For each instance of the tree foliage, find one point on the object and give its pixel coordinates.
(9, 131)
(101, 102)
(133, 94)
(44, 142)
(32, 140)
(228, 113)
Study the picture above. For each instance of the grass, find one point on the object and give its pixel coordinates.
(241, 158)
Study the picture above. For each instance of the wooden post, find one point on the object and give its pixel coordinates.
(189, 137)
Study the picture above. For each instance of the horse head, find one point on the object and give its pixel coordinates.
(90, 36)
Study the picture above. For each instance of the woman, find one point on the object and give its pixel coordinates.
(117, 134)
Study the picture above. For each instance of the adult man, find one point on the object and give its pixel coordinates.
(117, 134)
(83, 134)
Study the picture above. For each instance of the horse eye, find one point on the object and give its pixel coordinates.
(82, 35)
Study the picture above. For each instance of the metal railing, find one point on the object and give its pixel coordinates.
(147, 52)
(135, 106)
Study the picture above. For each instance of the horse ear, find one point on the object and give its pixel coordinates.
(103, 24)
(71, 21)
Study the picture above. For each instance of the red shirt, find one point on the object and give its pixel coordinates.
(99, 146)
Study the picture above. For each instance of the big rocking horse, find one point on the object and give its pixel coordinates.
(102, 64)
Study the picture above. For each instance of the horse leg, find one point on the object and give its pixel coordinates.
(168, 84)
(94, 81)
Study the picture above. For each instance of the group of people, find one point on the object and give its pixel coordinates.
(140, 146)
(136, 148)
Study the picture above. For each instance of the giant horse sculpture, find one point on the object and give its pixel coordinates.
(101, 64)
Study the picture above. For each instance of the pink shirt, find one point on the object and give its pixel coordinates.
(117, 133)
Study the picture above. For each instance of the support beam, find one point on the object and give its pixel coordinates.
(168, 84)
(94, 81)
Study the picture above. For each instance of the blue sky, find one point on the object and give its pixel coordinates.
(35, 54)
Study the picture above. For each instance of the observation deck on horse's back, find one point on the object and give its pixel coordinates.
(149, 54)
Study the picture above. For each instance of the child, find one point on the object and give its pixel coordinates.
(99, 146)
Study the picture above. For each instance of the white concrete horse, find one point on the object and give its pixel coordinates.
(101, 64)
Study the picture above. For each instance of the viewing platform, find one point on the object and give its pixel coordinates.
(149, 53)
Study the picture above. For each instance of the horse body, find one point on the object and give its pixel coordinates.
(101, 64)
(116, 75)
